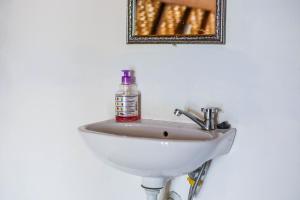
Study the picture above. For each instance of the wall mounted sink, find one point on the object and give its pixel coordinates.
(156, 150)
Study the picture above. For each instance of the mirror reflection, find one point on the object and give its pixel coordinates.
(174, 17)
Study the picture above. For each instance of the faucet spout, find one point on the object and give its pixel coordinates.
(201, 123)
(210, 115)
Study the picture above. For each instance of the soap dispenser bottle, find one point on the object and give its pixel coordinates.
(127, 99)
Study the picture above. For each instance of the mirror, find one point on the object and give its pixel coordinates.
(176, 21)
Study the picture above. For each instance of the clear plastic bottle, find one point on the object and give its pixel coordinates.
(127, 99)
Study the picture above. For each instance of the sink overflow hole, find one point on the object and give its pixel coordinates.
(166, 133)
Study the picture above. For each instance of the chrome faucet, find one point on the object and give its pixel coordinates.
(210, 117)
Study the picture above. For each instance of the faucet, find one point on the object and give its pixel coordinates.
(210, 117)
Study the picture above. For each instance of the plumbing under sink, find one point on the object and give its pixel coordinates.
(156, 150)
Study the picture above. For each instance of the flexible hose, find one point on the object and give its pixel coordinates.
(202, 172)
(194, 187)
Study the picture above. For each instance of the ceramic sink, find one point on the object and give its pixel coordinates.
(153, 148)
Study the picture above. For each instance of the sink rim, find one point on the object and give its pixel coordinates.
(213, 134)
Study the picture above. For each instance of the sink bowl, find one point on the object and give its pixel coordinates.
(153, 148)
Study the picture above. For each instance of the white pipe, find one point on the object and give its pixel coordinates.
(174, 196)
(152, 194)
(153, 185)
(154, 182)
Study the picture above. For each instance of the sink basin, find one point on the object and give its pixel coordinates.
(153, 148)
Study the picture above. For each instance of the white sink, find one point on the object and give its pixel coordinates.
(157, 149)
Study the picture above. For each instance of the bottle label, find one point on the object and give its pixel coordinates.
(126, 106)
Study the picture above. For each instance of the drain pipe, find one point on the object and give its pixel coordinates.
(152, 194)
(152, 186)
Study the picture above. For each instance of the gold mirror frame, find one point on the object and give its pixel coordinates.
(217, 38)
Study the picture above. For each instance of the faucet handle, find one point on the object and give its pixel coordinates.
(210, 110)
(211, 115)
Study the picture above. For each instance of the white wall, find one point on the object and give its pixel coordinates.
(59, 68)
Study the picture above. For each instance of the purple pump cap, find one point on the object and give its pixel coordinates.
(128, 77)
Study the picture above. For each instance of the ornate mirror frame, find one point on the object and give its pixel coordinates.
(217, 38)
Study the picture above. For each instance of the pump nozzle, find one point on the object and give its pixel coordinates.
(128, 77)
